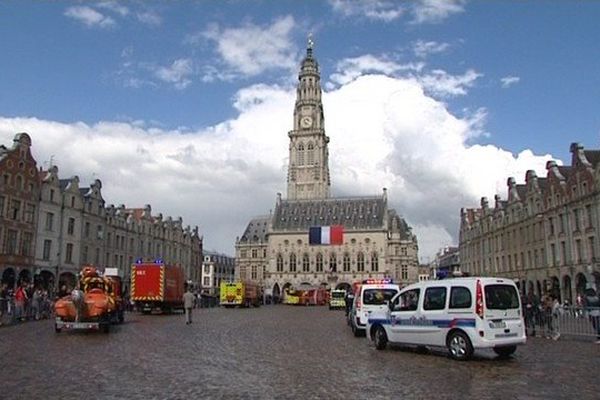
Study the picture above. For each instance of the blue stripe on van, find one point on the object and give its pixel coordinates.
(440, 323)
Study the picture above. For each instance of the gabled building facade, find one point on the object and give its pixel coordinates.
(545, 235)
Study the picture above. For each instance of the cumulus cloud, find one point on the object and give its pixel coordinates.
(89, 17)
(508, 81)
(434, 11)
(422, 49)
(377, 10)
(178, 73)
(351, 68)
(385, 132)
(251, 49)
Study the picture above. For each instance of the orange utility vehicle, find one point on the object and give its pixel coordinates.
(89, 306)
(157, 287)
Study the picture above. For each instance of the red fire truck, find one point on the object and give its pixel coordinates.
(157, 287)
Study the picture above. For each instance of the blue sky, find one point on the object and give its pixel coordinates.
(504, 85)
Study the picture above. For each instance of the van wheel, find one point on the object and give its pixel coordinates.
(459, 346)
(381, 338)
(355, 330)
(56, 328)
(505, 351)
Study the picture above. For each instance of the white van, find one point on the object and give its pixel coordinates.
(373, 295)
(462, 314)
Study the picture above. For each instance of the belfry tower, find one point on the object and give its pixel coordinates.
(308, 169)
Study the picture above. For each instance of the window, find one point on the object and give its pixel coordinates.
(404, 272)
(207, 269)
(279, 263)
(407, 301)
(332, 263)
(47, 249)
(206, 281)
(29, 213)
(300, 154)
(26, 243)
(51, 195)
(86, 230)
(72, 201)
(460, 297)
(254, 272)
(254, 253)
(305, 263)
(378, 296)
(576, 218)
(243, 253)
(97, 256)
(591, 251)
(2, 201)
(374, 262)
(435, 298)
(99, 233)
(346, 262)
(71, 226)
(15, 208)
(292, 262)
(49, 221)
(360, 262)
(69, 253)
(590, 219)
(319, 262)
(10, 243)
(501, 297)
(310, 154)
(84, 254)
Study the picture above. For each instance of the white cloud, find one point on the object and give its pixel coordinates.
(149, 18)
(114, 7)
(251, 49)
(378, 10)
(423, 49)
(385, 132)
(178, 73)
(440, 83)
(89, 17)
(351, 68)
(433, 11)
(508, 81)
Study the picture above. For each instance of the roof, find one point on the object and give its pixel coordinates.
(565, 171)
(593, 156)
(522, 191)
(257, 229)
(352, 213)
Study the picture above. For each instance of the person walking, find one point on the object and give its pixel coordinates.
(188, 304)
(556, 313)
(592, 306)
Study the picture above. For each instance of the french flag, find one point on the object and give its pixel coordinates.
(333, 234)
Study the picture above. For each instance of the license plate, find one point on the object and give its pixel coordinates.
(498, 325)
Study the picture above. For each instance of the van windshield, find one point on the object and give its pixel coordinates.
(378, 296)
(501, 297)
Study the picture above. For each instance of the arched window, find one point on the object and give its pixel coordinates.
(310, 157)
(360, 262)
(332, 263)
(305, 263)
(292, 262)
(300, 154)
(279, 263)
(319, 262)
(346, 262)
(374, 262)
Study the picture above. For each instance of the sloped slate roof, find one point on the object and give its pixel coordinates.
(593, 156)
(257, 229)
(522, 191)
(352, 213)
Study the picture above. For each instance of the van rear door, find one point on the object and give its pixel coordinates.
(502, 313)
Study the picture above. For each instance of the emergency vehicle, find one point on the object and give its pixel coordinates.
(370, 296)
(461, 314)
(337, 299)
(240, 294)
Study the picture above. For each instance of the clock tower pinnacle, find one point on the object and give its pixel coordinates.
(308, 169)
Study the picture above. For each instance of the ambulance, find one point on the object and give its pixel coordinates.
(372, 296)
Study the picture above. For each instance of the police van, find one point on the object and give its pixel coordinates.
(461, 314)
(372, 295)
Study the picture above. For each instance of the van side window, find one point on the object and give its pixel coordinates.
(460, 297)
(435, 298)
(408, 301)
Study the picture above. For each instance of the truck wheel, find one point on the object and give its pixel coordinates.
(105, 326)
(56, 328)
(121, 317)
(459, 346)
(380, 338)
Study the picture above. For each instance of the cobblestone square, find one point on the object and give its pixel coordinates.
(273, 352)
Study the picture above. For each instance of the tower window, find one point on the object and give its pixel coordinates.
(300, 154)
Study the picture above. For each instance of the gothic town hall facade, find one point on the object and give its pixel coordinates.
(295, 245)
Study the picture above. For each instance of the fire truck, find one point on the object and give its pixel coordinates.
(156, 286)
(240, 294)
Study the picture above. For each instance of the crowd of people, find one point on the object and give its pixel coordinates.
(542, 315)
(26, 302)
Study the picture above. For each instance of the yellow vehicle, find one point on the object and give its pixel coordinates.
(337, 299)
(292, 296)
(240, 294)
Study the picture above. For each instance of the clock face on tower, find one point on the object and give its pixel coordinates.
(306, 122)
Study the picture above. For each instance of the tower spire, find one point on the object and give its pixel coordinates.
(309, 45)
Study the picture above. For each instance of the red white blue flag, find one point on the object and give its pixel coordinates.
(333, 234)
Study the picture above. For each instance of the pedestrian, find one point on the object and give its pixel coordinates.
(20, 302)
(348, 300)
(592, 306)
(531, 313)
(547, 304)
(556, 313)
(36, 304)
(188, 305)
